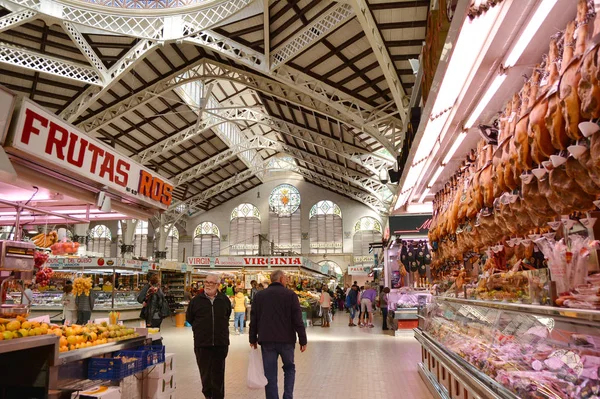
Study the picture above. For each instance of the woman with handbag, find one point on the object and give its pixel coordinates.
(154, 307)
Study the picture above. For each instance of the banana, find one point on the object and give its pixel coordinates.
(34, 238)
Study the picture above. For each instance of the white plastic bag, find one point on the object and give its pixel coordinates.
(256, 371)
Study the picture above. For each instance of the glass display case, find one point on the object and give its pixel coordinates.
(490, 349)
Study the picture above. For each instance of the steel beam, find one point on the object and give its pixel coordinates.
(311, 34)
(16, 56)
(16, 18)
(86, 49)
(150, 26)
(135, 55)
(371, 162)
(208, 69)
(369, 25)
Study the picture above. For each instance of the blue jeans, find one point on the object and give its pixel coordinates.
(270, 352)
(239, 321)
(352, 310)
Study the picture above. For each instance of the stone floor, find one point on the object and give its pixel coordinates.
(340, 363)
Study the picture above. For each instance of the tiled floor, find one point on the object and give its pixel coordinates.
(340, 362)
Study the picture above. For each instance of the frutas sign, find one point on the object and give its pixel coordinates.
(50, 140)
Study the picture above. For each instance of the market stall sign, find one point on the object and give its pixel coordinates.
(363, 259)
(41, 136)
(410, 224)
(239, 261)
(359, 270)
(81, 262)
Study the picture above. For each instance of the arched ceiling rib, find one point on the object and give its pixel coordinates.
(302, 78)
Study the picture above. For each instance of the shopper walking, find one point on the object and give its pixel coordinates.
(239, 307)
(85, 305)
(154, 306)
(383, 305)
(351, 303)
(209, 313)
(366, 306)
(325, 302)
(27, 294)
(275, 320)
(69, 305)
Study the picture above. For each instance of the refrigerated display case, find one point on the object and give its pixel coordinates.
(486, 349)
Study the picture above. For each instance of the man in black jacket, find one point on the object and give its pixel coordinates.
(275, 320)
(209, 313)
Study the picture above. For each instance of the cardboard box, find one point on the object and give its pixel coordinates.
(132, 387)
(158, 388)
(163, 370)
(99, 392)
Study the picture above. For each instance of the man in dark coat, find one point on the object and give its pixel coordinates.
(209, 313)
(275, 320)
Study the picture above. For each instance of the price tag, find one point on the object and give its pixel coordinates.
(41, 319)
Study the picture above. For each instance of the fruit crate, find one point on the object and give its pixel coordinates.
(157, 351)
(148, 357)
(113, 368)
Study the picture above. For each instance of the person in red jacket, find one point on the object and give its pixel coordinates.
(275, 319)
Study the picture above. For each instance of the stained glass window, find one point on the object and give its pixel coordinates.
(245, 211)
(99, 240)
(244, 230)
(207, 240)
(284, 200)
(325, 228)
(367, 223)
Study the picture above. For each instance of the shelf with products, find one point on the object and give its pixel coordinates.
(503, 350)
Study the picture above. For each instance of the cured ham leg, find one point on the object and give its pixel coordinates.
(571, 75)
(589, 84)
(521, 138)
(541, 142)
(511, 156)
(555, 122)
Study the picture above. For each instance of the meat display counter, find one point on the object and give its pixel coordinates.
(473, 349)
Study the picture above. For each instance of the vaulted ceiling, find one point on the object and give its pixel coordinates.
(208, 94)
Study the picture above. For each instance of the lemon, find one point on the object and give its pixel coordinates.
(7, 335)
(13, 325)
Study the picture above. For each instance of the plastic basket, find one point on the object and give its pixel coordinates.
(112, 368)
(157, 353)
(146, 356)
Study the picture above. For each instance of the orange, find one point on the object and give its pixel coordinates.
(63, 341)
(71, 340)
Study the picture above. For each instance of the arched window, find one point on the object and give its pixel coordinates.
(366, 230)
(207, 240)
(7, 233)
(140, 240)
(325, 228)
(244, 230)
(327, 265)
(284, 218)
(99, 240)
(172, 244)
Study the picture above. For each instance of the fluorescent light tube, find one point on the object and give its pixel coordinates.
(437, 174)
(491, 91)
(454, 147)
(425, 194)
(533, 26)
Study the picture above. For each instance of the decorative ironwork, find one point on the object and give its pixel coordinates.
(325, 24)
(17, 56)
(160, 254)
(15, 19)
(284, 200)
(145, 4)
(282, 162)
